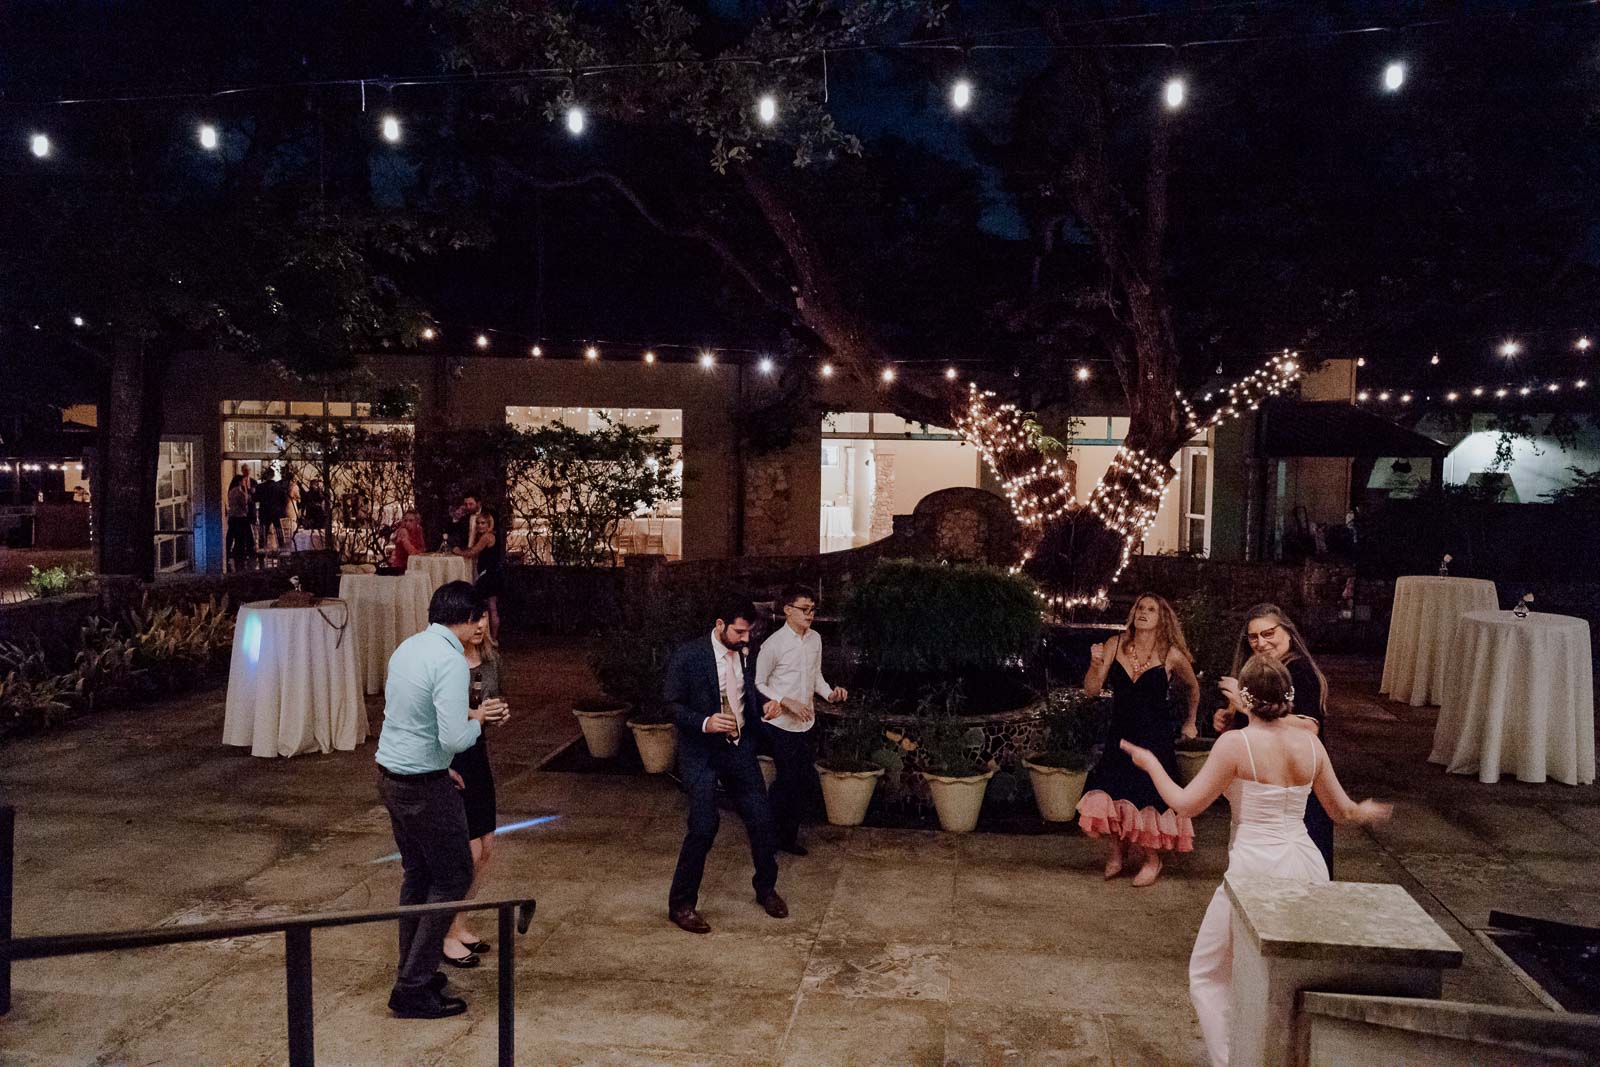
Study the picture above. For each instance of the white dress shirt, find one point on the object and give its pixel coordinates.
(789, 666)
(730, 672)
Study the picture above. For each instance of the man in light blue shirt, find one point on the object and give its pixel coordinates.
(426, 721)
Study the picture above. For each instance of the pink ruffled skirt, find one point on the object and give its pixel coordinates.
(1159, 831)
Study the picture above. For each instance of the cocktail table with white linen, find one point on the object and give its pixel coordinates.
(440, 567)
(1519, 697)
(292, 683)
(385, 609)
(1426, 609)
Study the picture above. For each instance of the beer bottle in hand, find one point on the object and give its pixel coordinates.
(727, 709)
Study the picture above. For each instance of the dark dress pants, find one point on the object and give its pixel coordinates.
(796, 782)
(1320, 829)
(741, 776)
(430, 827)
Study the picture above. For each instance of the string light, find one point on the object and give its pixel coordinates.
(208, 137)
(591, 353)
(536, 352)
(767, 109)
(1268, 381)
(77, 320)
(1477, 390)
(707, 360)
(1500, 393)
(765, 366)
(888, 374)
(950, 374)
(428, 333)
(482, 341)
(1583, 344)
(1394, 76)
(1361, 361)
(961, 94)
(649, 357)
(39, 145)
(1435, 360)
(827, 370)
(575, 121)
(391, 129)
(1083, 374)
(1174, 93)
(1452, 396)
(1510, 348)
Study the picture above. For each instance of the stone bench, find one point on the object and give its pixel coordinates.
(1340, 937)
(1406, 1032)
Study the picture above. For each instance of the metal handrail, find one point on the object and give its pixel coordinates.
(515, 914)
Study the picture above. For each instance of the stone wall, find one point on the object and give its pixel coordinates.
(768, 504)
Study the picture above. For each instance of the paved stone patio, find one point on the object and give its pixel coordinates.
(902, 947)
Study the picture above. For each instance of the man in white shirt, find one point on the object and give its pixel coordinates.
(789, 677)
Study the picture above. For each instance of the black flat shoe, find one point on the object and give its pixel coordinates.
(476, 946)
(466, 962)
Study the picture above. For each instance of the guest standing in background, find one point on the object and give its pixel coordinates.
(271, 506)
(1270, 632)
(711, 692)
(472, 774)
(789, 676)
(486, 554)
(241, 543)
(426, 721)
(1140, 665)
(407, 541)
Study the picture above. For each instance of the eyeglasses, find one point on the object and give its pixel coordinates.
(811, 610)
(1261, 637)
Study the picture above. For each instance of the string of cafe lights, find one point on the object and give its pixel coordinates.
(960, 92)
(1543, 388)
(1245, 394)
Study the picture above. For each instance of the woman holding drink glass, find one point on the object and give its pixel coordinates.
(472, 774)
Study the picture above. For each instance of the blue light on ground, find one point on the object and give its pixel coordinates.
(506, 829)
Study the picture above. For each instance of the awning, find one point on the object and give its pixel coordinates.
(1335, 428)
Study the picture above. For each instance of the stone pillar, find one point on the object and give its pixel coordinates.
(1338, 937)
(883, 495)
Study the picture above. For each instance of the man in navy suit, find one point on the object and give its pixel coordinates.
(710, 687)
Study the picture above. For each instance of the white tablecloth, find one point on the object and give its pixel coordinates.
(440, 567)
(384, 610)
(1519, 697)
(834, 528)
(292, 685)
(1426, 609)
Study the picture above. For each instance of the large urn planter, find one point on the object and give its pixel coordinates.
(602, 727)
(1056, 790)
(769, 770)
(848, 794)
(958, 798)
(657, 743)
(1192, 756)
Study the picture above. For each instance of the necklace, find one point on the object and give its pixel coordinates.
(1140, 663)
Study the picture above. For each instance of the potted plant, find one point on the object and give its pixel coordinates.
(1074, 727)
(956, 777)
(601, 721)
(857, 755)
(655, 735)
(629, 665)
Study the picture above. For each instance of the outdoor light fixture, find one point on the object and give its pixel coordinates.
(575, 121)
(1583, 344)
(591, 352)
(950, 373)
(1580, 384)
(1175, 93)
(1452, 396)
(707, 360)
(483, 340)
(649, 357)
(888, 374)
(1394, 76)
(1509, 349)
(536, 352)
(1383, 396)
(767, 109)
(1553, 387)
(391, 129)
(77, 320)
(208, 137)
(961, 94)
(827, 370)
(1361, 361)
(1405, 398)
(39, 145)
(1524, 391)
(1083, 374)
(1477, 391)
(1500, 393)
(1435, 359)
(1362, 396)
(765, 366)
(428, 333)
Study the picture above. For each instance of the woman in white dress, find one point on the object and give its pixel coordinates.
(1267, 771)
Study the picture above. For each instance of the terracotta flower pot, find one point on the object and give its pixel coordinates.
(657, 743)
(1056, 790)
(602, 729)
(769, 770)
(958, 798)
(848, 794)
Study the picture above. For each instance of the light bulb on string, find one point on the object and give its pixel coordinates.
(1477, 390)
(1083, 374)
(707, 360)
(1452, 396)
(1361, 361)
(390, 127)
(39, 145)
(1500, 394)
(77, 320)
(1394, 76)
(888, 374)
(1434, 361)
(1580, 384)
(429, 333)
(649, 357)
(827, 370)
(1510, 348)
(208, 137)
(1174, 93)
(950, 374)
(591, 353)
(483, 340)
(765, 366)
(576, 120)
(961, 94)
(1524, 391)
(1583, 344)
(1362, 396)
(767, 109)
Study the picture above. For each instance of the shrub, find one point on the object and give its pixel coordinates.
(31, 697)
(856, 741)
(1074, 729)
(946, 744)
(913, 617)
(56, 581)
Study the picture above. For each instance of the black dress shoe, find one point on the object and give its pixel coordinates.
(795, 849)
(690, 920)
(774, 905)
(429, 1004)
(437, 982)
